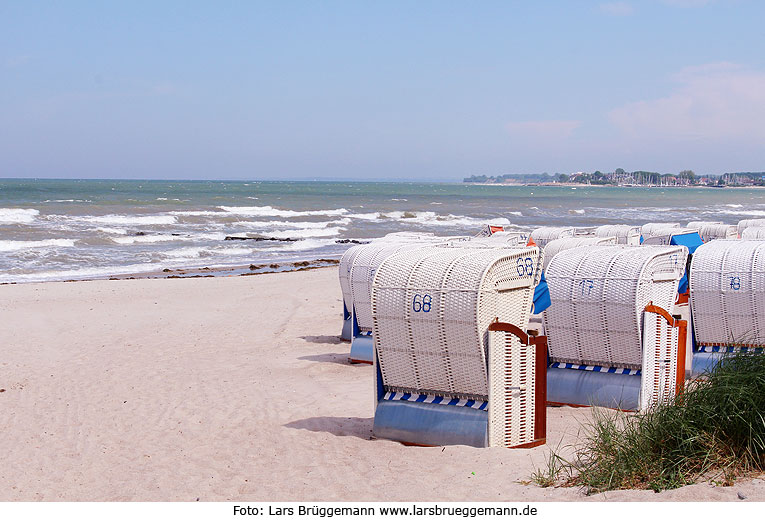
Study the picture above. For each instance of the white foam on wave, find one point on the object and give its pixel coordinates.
(750, 212)
(112, 230)
(10, 215)
(146, 239)
(429, 218)
(578, 211)
(21, 245)
(367, 216)
(285, 223)
(138, 220)
(307, 233)
(515, 213)
(734, 205)
(89, 272)
(301, 245)
(268, 211)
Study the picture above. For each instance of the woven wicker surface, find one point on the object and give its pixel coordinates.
(598, 294)
(753, 233)
(561, 244)
(662, 236)
(648, 229)
(629, 235)
(543, 235)
(727, 284)
(659, 368)
(750, 222)
(432, 307)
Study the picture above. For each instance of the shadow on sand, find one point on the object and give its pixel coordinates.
(334, 358)
(324, 339)
(339, 426)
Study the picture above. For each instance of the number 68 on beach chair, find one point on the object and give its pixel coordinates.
(443, 376)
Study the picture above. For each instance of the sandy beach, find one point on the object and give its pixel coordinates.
(223, 389)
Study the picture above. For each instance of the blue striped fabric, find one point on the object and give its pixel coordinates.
(434, 399)
(601, 369)
(727, 349)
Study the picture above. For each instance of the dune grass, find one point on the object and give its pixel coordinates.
(714, 431)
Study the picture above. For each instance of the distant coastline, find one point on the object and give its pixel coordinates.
(622, 178)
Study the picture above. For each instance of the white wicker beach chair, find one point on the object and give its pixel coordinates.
(710, 232)
(628, 235)
(649, 229)
(754, 233)
(542, 235)
(606, 346)
(750, 222)
(346, 263)
(727, 299)
(502, 239)
(698, 224)
(662, 236)
(437, 381)
(561, 244)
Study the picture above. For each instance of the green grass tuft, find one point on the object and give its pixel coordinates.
(714, 430)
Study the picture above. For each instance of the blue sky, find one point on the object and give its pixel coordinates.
(379, 91)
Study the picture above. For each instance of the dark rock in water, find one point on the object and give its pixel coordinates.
(175, 234)
(301, 264)
(262, 239)
(273, 266)
(351, 241)
(328, 260)
(166, 270)
(140, 234)
(253, 267)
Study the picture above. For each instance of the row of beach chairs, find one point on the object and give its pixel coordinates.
(471, 337)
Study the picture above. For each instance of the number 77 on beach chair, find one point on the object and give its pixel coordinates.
(611, 339)
(453, 361)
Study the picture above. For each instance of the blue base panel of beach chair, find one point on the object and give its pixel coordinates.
(362, 349)
(426, 424)
(581, 387)
(704, 362)
(346, 333)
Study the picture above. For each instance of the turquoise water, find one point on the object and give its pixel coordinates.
(60, 229)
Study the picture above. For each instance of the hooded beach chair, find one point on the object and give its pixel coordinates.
(749, 222)
(709, 232)
(628, 235)
(650, 229)
(542, 235)
(727, 300)
(753, 233)
(561, 244)
(454, 363)
(611, 339)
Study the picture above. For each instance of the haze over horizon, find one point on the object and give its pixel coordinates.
(425, 91)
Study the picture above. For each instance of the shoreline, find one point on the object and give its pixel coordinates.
(203, 272)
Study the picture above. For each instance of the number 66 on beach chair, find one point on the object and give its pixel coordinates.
(454, 364)
(611, 340)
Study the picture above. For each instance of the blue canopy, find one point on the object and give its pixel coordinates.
(690, 240)
(541, 296)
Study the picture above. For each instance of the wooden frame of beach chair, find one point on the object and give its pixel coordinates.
(442, 375)
(611, 340)
(727, 286)
(625, 234)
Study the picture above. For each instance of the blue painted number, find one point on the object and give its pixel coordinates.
(421, 303)
(735, 283)
(586, 286)
(525, 267)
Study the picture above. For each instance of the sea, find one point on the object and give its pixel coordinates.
(88, 229)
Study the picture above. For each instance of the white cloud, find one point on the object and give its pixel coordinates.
(617, 8)
(712, 102)
(536, 129)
